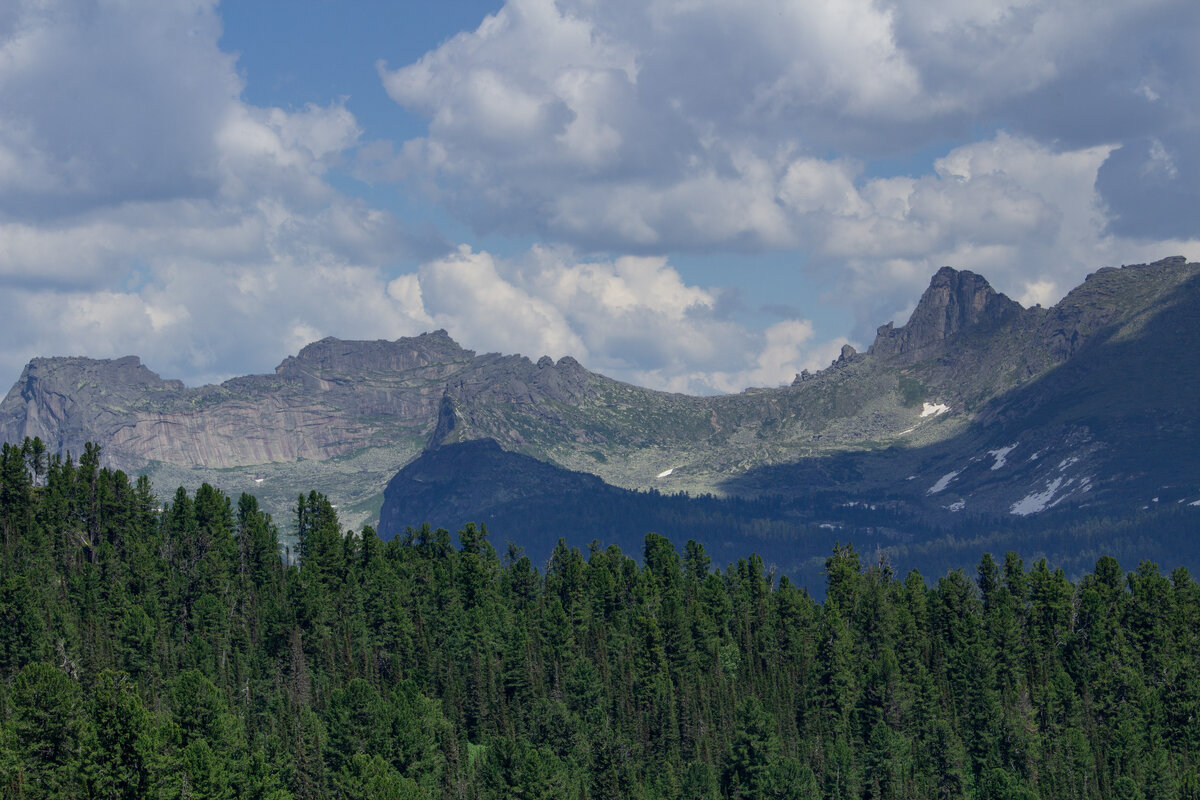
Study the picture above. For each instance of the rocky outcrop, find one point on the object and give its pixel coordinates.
(63, 400)
(331, 399)
(1106, 297)
(330, 361)
(955, 301)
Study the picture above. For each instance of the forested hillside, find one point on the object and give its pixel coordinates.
(165, 649)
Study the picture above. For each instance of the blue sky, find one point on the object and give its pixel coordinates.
(700, 196)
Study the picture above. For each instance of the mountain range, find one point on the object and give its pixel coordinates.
(976, 418)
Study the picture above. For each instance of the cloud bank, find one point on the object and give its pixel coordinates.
(699, 126)
(632, 317)
(146, 207)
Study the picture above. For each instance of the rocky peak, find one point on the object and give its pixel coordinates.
(955, 300)
(338, 357)
(77, 375)
(58, 398)
(1170, 262)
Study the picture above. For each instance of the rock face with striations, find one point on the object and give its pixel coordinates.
(316, 406)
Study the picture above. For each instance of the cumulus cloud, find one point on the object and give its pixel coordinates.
(787, 348)
(675, 125)
(664, 127)
(634, 318)
(146, 208)
(468, 296)
(205, 322)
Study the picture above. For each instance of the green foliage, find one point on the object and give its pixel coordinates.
(119, 755)
(172, 653)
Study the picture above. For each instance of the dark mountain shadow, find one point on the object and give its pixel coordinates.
(532, 504)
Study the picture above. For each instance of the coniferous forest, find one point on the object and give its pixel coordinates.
(153, 648)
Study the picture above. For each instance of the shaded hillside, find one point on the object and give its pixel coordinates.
(533, 505)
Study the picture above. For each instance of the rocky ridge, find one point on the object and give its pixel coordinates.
(342, 417)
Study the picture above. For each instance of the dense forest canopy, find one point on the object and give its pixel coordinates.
(165, 649)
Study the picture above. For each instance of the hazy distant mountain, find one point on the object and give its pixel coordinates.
(974, 412)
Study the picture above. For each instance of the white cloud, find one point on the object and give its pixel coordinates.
(466, 294)
(617, 125)
(633, 318)
(787, 349)
(1042, 293)
(699, 126)
(146, 208)
(1027, 217)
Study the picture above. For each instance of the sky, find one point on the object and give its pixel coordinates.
(691, 195)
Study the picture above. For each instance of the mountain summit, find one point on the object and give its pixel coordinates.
(955, 300)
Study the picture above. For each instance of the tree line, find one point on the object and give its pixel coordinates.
(165, 649)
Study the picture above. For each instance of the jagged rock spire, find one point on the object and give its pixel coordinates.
(954, 301)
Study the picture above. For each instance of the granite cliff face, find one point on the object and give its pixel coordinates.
(318, 405)
(955, 301)
(969, 369)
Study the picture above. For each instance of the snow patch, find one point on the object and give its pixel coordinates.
(829, 526)
(933, 409)
(665, 473)
(259, 480)
(957, 506)
(1001, 455)
(1196, 503)
(1066, 462)
(910, 430)
(1038, 501)
(943, 482)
